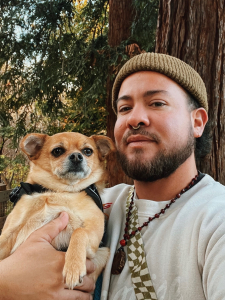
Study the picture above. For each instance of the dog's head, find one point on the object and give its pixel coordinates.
(66, 161)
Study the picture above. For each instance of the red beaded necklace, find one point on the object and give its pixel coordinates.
(119, 258)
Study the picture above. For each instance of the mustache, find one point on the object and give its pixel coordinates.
(142, 132)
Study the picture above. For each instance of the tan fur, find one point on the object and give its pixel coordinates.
(85, 229)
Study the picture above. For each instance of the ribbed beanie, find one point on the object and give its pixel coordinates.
(170, 66)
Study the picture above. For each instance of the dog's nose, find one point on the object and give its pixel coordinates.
(76, 157)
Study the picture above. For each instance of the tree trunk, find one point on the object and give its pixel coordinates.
(194, 31)
(120, 20)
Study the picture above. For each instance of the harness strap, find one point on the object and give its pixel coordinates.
(92, 191)
(28, 189)
(25, 189)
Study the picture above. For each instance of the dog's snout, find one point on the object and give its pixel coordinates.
(76, 157)
(76, 163)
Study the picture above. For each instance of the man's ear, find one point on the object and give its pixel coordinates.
(32, 143)
(199, 119)
(104, 145)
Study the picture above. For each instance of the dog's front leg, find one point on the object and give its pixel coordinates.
(75, 261)
(5, 246)
(8, 237)
(79, 249)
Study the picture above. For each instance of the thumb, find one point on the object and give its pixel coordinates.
(49, 231)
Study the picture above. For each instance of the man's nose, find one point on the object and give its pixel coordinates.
(138, 115)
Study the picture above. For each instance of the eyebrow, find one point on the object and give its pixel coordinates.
(146, 94)
(125, 97)
(60, 144)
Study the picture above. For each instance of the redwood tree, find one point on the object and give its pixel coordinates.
(132, 26)
(194, 31)
(120, 20)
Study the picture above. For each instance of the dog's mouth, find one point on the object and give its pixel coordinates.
(73, 171)
(76, 169)
(73, 174)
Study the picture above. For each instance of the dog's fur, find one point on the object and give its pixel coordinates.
(65, 172)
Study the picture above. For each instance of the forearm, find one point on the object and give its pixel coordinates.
(3, 281)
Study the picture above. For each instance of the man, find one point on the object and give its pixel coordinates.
(175, 218)
(158, 125)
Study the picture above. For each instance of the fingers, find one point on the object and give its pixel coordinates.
(49, 231)
(88, 285)
(90, 266)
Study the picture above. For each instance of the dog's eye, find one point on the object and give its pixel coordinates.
(57, 151)
(87, 151)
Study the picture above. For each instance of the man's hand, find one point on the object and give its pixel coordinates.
(34, 270)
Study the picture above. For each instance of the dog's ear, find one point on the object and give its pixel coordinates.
(104, 145)
(32, 143)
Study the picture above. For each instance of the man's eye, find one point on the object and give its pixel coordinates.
(58, 151)
(158, 104)
(87, 151)
(124, 109)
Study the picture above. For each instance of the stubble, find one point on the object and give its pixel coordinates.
(162, 165)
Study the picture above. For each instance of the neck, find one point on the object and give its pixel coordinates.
(167, 188)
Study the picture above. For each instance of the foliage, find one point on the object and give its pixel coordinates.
(42, 50)
(54, 62)
(3, 163)
(143, 29)
(15, 170)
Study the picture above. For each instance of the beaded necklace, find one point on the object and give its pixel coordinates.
(119, 258)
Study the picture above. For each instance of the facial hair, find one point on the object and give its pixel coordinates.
(162, 165)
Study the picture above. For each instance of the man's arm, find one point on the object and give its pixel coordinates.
(213, 275)
(34, 270)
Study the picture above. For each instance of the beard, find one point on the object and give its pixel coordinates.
(162, 165)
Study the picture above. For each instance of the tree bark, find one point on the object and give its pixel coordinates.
(194, 31)
(120, 20)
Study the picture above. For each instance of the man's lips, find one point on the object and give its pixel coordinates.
(138, 139)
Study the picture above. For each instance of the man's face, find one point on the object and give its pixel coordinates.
(165, 139)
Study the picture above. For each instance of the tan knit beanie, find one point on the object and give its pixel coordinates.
(170, 66)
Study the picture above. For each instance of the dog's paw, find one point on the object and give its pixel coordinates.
(73, 274)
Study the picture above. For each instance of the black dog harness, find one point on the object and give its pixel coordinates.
(28, 189)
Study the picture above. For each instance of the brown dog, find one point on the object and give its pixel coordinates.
(65, 164)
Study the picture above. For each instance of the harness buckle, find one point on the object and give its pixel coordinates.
(13, 196)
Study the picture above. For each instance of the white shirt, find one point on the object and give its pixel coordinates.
(185, 247)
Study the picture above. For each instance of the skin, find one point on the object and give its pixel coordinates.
(160, 105)
(38, 272)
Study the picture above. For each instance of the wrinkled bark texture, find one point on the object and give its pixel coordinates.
(120, 20)
(194, 31)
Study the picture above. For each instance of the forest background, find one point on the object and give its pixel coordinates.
(58, 60)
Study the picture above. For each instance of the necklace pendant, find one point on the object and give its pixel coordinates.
(118, 261)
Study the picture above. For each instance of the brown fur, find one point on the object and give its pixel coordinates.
(85, 229)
